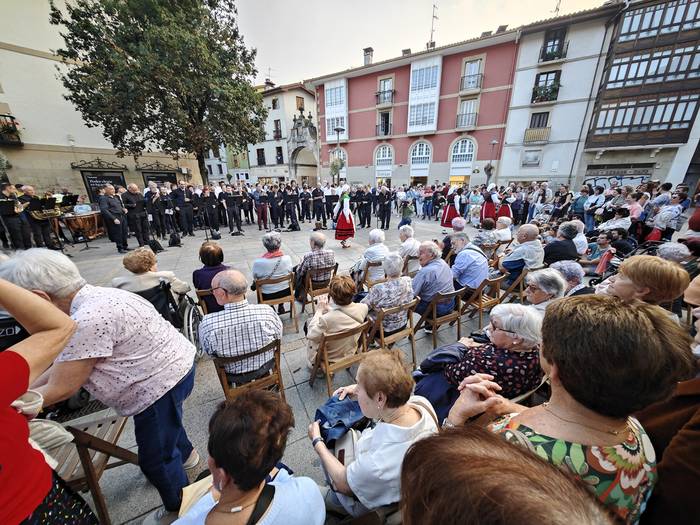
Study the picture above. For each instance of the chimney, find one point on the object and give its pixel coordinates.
(368, 51)
(269, 84)
(485, 34)
(502, 29)
(406, 52)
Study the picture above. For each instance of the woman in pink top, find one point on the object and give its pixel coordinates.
(633, 206)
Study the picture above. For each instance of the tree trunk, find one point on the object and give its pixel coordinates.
(202, 167)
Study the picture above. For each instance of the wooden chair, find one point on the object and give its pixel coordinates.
(313, 288)
(201, 294)
(342, 364)
(406, 263)
(82, 462)
(289, 279)
(261, 383)
(516, 288)
(449, 257)
(366, 281)
(485, 297)
(387, 341)
(436, 321)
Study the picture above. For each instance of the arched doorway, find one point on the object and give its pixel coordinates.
(303, 166)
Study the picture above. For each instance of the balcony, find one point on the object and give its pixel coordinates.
(536, 135)
(553, 51)
(466, 120)
(471, 82)
(277, 134)
(383, 130)
(385, 98)
(9, 132)
(546, 93)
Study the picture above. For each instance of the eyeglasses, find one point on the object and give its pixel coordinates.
(533, 287)
(218, 288)
(490, 329)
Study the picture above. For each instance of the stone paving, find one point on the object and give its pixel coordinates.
(129, 495)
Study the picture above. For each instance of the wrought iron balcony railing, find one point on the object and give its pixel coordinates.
(383, 130)
(546, 93)
(469, 82)
(553, 51)
(466, 120)
(385, 97)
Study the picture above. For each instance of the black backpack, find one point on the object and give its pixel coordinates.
(155, 246)
(174, 240)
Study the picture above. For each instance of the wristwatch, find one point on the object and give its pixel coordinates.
(446, 423)
(315, 441)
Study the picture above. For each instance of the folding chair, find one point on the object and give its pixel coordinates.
(314, 287)
(262, 383)
(342, 364)
(289, 279)
(406, 263)
(481, 300)
(387, 341)
(366, 281)
(436, 321)
(201, 295)
(449, 257)
(517, 287)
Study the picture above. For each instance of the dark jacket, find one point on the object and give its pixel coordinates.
(178, 197)
(111, 207)
(134, 203)
(560, 250)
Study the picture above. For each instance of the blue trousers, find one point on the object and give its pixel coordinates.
(405, 221)
(163, 445)
(590, 222)
(442, 308)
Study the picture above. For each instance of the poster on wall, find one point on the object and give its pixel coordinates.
(159, 177)
(94, 180)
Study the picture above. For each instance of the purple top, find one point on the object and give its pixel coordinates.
(201, 279)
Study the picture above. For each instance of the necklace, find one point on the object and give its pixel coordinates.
(235, 509)
(607, 431)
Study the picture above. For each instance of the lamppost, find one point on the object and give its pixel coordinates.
(489, 167)
(338, 131)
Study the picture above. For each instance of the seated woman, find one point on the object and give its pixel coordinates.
(212, 257)
(376, 252)
(333, 315)
(143, 265)
(486, 239)
(502, 232)
(383, 391)
(247, 438)
(543, 286)
(395, 291)
(273, 264)
(573, 273)
(445, 477)
(586, 426)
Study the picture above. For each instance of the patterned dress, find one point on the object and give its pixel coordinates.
(621, 476)
(515, 372)
(387, 295)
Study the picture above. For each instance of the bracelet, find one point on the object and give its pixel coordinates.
(315, 441)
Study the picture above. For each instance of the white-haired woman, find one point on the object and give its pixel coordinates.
(502, 231)
(511, 356)
(543, 286)
(395, 291)
(273, 263)
(344, 220)
(409, 246)
(573, 273)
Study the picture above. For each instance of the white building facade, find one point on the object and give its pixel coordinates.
(217, 169)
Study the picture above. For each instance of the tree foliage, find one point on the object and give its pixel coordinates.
(161, 75)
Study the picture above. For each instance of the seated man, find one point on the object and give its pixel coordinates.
(315, 259)
(458, 225)
(622, 242)
(376, 252)
(595, 252)
(563, 248)
(409, 247)
(434, 277)
(240, 329)
(528, 253)
(471, 265)
(620, 220)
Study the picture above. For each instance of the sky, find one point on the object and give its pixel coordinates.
(302, 39)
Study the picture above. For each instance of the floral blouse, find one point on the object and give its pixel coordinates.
(515, 372)
(621, 476)
(387, 295)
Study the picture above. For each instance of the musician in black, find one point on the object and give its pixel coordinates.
(183, 198)
(135, 205)
(291, 201)
(223, 219)
(328, 192)
(247, 206)
(208, 206)
(233, 203)
(167, 211)
(261, 205)
(280, 205)
(114, 215)
(274, 206)
(384, 202)
(153, 209)
(305, 199)
(20, 233)
(319, 208)
(297, 192)
(40, 228)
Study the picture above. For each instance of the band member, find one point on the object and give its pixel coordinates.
(291, 201)
(319, 207)
(234, 202)
(114, 215)
(328, 202)
(183, 200)
(41, 228)
(384, 203)
(297, 192)
(366, 208)
(167, 211)
(135, 205)
(305, 199)
(218, 190)
(261, 205)
(280, 205)
(274, 206)
(247, 206)
(20, 233)
(209, 209)
(153, 209)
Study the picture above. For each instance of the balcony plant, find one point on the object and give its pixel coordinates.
(546, 93)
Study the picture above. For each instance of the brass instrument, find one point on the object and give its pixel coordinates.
(42, 215)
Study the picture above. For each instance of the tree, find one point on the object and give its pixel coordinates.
(161, 75)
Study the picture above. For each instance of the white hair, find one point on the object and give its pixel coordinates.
(549, 281)
(505, 220)
(458, 224)
(376, 236)
(570, 270)
(392, 264)
(673, 251)
(406, 230)
(272, 241)
(579, 225)
(522, 320)
(318, 239)
(430, 247)
(45, 270)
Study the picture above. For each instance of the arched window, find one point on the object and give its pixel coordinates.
(463, 151)
(384, 156)
(420, 153)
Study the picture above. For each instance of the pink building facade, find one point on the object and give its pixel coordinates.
(433, 116)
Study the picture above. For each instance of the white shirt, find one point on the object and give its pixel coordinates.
(581, 243)
(503, 234)
(374, 253)
(410, 247)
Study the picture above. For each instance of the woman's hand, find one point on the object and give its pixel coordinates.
(345, 391)
(314, 430)
(478, 393)
(469, 342)
(322, 304)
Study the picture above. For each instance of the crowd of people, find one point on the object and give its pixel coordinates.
(580, 404)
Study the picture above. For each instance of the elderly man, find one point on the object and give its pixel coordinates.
(317, 258)
(240, 329)
(376, 252)
(127, 356)
(471, 265)
(41, 229)
(135, 205)
(434, 277)
(581, 241)
(409, 247)
(114, 217)
(563, 248)
(573, 273)
(528, 253)
(458, 225)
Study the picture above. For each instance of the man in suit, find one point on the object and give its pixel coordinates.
(319, 208)
(183, 199)
(114, 215)
(135, 205)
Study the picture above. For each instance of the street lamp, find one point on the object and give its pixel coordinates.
(338, 131)
(489, 167)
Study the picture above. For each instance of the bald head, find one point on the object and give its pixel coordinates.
(229, 286)
(528, 232)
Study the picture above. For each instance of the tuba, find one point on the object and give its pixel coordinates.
(42, 215)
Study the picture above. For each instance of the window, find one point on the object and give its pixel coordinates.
(424, 78)
(547, 79)
(338, 153)
(261, 156)
(660, 66)
(300, 103)
(420, 153)
(639, 115)
(332, 123)
(211, 172)
(554, 46)
(421, 114)
(277, 134)
(539, 120)
(386, 84)
(467, 113)
(472, 75)
(335, 96)
(279, 156)
(463, 151)
(384, 156)
(221, 169)
(385, 95)
(664, 18)
(531, 157)
(384, 126)
(275, 103)
(546, 87)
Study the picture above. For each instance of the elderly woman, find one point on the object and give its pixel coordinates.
(586, 426)
(543, 286)
(376, 252)
(383, 391)
(247, 438)
(336, 314)
(573, 273)
(395, 291)
(143, 265)
(502, 232)
(212, 257)
(409, 247)
(649, 279)
(273, 264)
